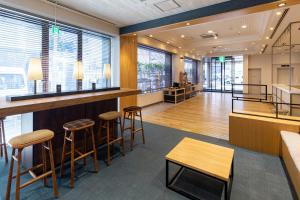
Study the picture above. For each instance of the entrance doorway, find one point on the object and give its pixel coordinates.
(219, 76)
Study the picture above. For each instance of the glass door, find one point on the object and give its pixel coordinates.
(219, 76)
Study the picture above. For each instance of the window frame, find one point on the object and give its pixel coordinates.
(196, 70)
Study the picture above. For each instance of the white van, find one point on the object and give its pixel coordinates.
(13, 81)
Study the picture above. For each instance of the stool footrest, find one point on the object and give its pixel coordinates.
(115, 140)
(35, 179)
(84, 155)
(30, 169)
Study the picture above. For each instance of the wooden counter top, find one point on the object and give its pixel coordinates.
(18, 107)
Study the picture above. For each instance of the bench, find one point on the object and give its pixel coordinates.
(291, 156)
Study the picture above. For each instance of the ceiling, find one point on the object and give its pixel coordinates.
(128, 12)
(232, 38)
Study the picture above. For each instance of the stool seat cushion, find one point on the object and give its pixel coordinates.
(28, 139)
(132, 109)
(110, 115)
(78, 124)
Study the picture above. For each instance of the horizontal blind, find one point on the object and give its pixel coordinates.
(19, 42)
(95, 54)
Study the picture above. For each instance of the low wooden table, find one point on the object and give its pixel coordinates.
(208, 159)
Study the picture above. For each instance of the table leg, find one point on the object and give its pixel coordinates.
(167, 173)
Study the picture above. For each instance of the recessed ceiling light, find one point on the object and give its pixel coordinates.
(168, 42)
(267, 38)
(220, 46)
(150, 35)
(134, 34)
(253, 43)
(239, 33)
(246, 49)
(216, 37)
(278, 13)
(210, 31)
(281, 4)
(188, 24)
(244, 26)
(271, 28)
(182, 36)
(179, 47)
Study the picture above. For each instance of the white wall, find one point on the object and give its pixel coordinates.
(264, 62)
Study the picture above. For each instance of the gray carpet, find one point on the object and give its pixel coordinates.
(141, 174)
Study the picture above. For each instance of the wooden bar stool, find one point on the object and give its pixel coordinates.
(70, 129)
(42, 137)
(107, 121)
(131, 113)
(3, 147)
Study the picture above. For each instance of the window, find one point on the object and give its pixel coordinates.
(96, 53)
(154, 69)
(190, 67)
(23, 37)
(63, 54)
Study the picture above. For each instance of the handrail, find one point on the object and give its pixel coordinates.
(251, 85)
(260, 100)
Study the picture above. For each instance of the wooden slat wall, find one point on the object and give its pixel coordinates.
(260, 134)
(128, 68)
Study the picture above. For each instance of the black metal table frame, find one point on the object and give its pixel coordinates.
(186, 194)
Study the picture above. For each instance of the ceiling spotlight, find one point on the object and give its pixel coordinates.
(271, 28)
(179, 47)
(278, 13)
(267, 38)
(281, 4)
(244, 26)
(182, 36)
(150, 35)
(220, 46)
(246, 49)
(216, 37)
(134, 34)
(188, 24)
(210, 31)
(168, 42)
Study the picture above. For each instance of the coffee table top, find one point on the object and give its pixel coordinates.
(210, 159)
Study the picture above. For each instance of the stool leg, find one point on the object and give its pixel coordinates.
(94, 149)
(124, 120)
(72, 160)
(84, 146)
(112, 135)
(4, 142)
(142, 127)
(122, 135)
(55, 190)
(62, 166)
(18, 174)
(131, 131)
(1, 141)
(100, 132)
(11, 168)
(44, 163)
(108, 162)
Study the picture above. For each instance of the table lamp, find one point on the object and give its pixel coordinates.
(78, 72)
(35, 71)
(107, 73)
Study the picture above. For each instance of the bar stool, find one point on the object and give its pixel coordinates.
(42, 137)
(71, 128)
(3, 147)
(107, 121)
(130, 113)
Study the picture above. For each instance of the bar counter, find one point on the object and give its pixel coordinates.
(51, 113)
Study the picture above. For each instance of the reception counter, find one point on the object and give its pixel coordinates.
(51, 113)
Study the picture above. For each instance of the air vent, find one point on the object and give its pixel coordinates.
(167, 5)
(208, 36)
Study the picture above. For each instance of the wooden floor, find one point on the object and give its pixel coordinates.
(205, 114)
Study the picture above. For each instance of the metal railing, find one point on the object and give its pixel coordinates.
(262, 98)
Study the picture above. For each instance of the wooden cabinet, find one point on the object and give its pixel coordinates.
(174, 95)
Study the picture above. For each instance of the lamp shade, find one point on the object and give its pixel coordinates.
(78, 71)
(107, 71)
(35, 71)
